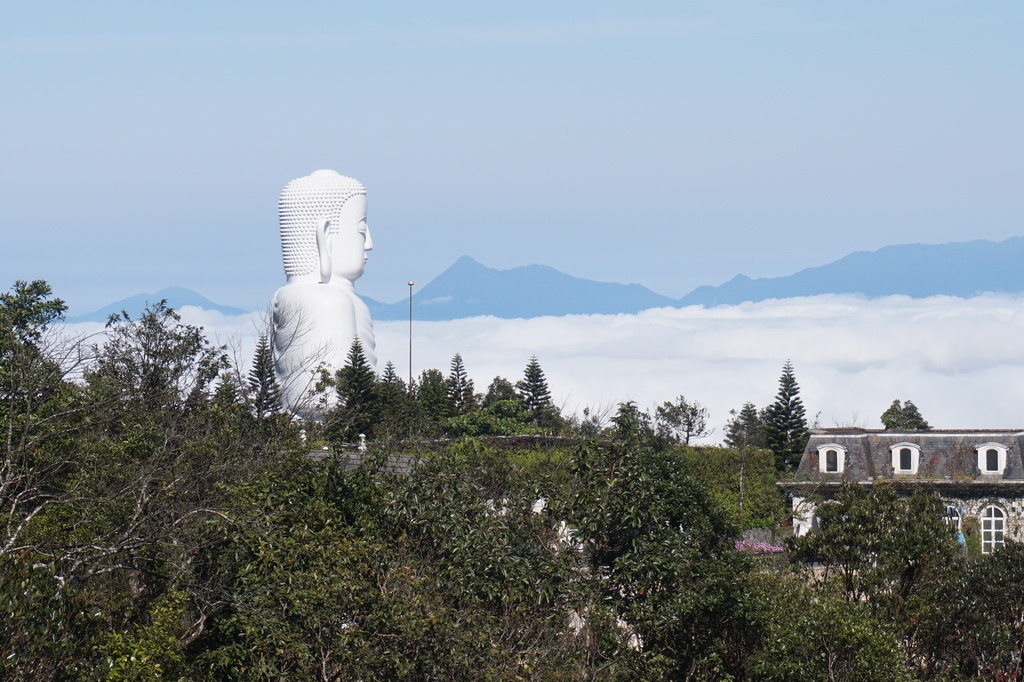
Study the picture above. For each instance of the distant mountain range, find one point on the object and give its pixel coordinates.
(960, 269)
(176, 297)
(468, 289)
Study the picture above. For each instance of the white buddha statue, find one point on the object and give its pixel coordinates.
(316, 315)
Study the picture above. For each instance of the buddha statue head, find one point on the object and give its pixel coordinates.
(324, 236)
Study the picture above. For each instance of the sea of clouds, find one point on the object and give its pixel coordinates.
(960, 360)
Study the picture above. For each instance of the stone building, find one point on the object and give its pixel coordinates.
(979, 474)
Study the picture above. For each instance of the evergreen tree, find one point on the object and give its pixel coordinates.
(228, 395)
(785, 422)
(266, 396)
(393, 400)
(390, 386)
(746, 428)
(357, 410)
(461, 398)
(536, 396)
(905, 417)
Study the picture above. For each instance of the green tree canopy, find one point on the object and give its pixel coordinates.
(500, 389)
(432, 407)
(881, 547)
(642, 520)
(903, 417)
(156, 364)
(683, 420)
(27, 311)
(40, 409)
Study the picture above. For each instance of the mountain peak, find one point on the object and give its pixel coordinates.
(470, 289)
(176, 297)
(466, 264)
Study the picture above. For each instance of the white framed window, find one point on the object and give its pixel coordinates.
(993, 529)
(991, 458)
(953, 516)
(906, 458)
(831, 458)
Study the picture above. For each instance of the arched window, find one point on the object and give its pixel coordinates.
(831, 458)
(993, 529)
(906, 458)
(991, 458)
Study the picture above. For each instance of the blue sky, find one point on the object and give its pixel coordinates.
(666, 143)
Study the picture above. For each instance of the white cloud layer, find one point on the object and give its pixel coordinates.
(960, 360)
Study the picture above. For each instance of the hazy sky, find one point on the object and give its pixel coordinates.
(673, 144)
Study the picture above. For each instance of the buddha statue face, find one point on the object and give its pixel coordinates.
(348, 240)
(324, 236)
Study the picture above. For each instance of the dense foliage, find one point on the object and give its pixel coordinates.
(903, 416)
(162, 519)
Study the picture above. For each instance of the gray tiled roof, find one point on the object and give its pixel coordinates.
(947, 456)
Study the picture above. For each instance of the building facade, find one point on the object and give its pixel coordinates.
(979, 474)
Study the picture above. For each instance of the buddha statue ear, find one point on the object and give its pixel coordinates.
(323, 247)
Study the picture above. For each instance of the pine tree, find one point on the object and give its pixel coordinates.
(393, 402)
(785, 423)
(536, 396)
(357, 410)
(266, 396)
(461, 397)
(391, 388)
(228, 394)
(745, 429)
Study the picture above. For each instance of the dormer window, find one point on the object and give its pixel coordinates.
(831, 458)
(991, 458)
(906, 457)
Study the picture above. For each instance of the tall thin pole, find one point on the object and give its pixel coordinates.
(410, 338)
